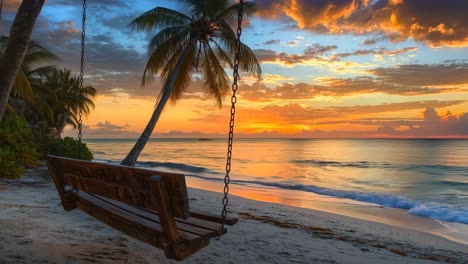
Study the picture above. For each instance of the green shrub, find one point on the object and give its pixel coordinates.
(64, 147)
(17, 148)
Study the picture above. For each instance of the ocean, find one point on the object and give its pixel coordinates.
(424, 177)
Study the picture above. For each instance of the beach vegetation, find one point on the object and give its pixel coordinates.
(64, 147)
(201, 41)
(43, 100)
(18, 149)
(27, 93)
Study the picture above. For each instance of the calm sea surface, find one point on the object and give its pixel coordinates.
(426, 177)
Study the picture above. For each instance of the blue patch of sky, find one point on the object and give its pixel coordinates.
(441, 55)
(58, 13)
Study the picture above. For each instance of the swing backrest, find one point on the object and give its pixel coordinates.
(133, 186)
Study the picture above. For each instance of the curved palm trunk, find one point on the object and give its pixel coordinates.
(20, 34)
(133, 155)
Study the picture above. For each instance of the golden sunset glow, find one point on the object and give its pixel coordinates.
(330, 69)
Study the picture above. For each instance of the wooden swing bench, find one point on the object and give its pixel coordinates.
(150, 206)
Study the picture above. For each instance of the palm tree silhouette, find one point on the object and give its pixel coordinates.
(203, 42)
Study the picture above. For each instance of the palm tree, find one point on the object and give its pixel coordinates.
(69, 99)
(26, 86)
(202, 41)
(20, 34)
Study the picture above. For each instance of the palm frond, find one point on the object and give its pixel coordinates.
(247, 61)
(206, 8)
(216, 79)
(44, 99)
(41, 72)
(227, 36)
(22, 87)
(36, 53)
(222, 55)
(161, 55)
(174, 34)
(230, 13)
(159, 17)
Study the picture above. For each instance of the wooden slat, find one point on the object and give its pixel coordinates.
(213, 226)
(133, 178)
(191, 225)
(140, 228)
(212, 217)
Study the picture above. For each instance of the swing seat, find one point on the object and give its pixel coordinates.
(151, 206)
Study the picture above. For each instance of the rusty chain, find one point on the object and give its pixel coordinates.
(234, 87)
(83, 38)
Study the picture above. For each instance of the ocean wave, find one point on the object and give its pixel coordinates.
(452, 183)
(425, 209)
(172, 165)
(431, 169)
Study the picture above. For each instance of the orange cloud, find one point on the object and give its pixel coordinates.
(316, 54)
(259, 92)
(435, 22)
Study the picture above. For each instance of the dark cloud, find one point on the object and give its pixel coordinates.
(316, 50)
(394, 107)
(108, 130)
(265, 54)
(331, 87)
(99, 3)
(319, 53)
(372, 41)
(272, 42)
(381, 51)
(424, 75)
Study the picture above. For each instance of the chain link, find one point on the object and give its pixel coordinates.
(83, 38)
(235, 75)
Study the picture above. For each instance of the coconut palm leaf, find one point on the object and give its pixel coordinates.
(27, 81)
(70, 98)
(159, 17)
(230, 13)
(23, 86)
(214, 75)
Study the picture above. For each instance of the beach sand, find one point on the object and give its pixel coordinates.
(35, 229)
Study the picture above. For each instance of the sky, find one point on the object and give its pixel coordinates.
(391, 68)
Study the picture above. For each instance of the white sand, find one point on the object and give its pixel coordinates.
(35, 229)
